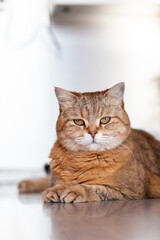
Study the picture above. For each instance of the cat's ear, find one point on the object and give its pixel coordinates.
(65, 98)
(115, 94)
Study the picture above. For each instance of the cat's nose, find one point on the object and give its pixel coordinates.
(92, 132)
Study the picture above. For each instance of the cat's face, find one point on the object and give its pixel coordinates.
(92, 121)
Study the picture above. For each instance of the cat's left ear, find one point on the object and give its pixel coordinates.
(115, 94)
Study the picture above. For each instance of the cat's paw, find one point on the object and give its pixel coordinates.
(74, 194)
(52, 194)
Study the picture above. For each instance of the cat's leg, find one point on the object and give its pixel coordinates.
(82, 193)
(34, 185)
(90, 193)
(52, 194)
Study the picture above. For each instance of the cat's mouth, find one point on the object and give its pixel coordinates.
(91, 142)
(94, 142)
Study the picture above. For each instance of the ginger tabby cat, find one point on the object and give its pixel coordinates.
(97, 156)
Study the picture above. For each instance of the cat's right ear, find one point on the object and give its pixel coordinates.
(65, 98)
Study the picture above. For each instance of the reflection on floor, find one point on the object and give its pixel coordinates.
(26, 217)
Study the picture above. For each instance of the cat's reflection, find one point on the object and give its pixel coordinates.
(101, 220)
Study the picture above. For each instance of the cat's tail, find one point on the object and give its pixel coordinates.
(34, 185)
(37, 184)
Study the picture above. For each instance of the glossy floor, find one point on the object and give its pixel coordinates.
(26, 217)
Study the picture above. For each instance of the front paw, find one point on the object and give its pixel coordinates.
(52, 194)
(74, 193)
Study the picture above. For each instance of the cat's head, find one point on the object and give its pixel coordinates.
(93, 121)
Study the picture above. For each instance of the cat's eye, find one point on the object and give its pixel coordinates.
(79, 122)
(105, 120)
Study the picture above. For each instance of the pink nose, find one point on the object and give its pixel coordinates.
(92, 132)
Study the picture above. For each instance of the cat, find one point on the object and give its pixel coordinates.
(97, 155)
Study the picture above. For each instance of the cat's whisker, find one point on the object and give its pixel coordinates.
(129, 151)
(65, 149)
(79, 139)
(59, 154)
(61, 151)
(68, 151)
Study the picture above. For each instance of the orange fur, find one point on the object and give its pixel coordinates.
(123, 169)
(116, 163)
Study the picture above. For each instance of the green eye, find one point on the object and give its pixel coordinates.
(79, 122)
(105, 120)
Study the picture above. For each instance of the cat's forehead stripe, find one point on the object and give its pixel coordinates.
(85, 112)
(91, 112)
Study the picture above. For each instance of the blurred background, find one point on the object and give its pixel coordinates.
(80, 45)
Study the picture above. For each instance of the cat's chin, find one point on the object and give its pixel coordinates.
(95, 147)
(91, 147)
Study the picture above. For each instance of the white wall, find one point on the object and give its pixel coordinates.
(28, 109)
(106, 45)
(99, 49)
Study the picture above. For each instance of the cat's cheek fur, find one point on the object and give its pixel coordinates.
(86, 139)
(101, 143)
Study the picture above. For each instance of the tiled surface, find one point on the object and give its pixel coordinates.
(26, 217)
